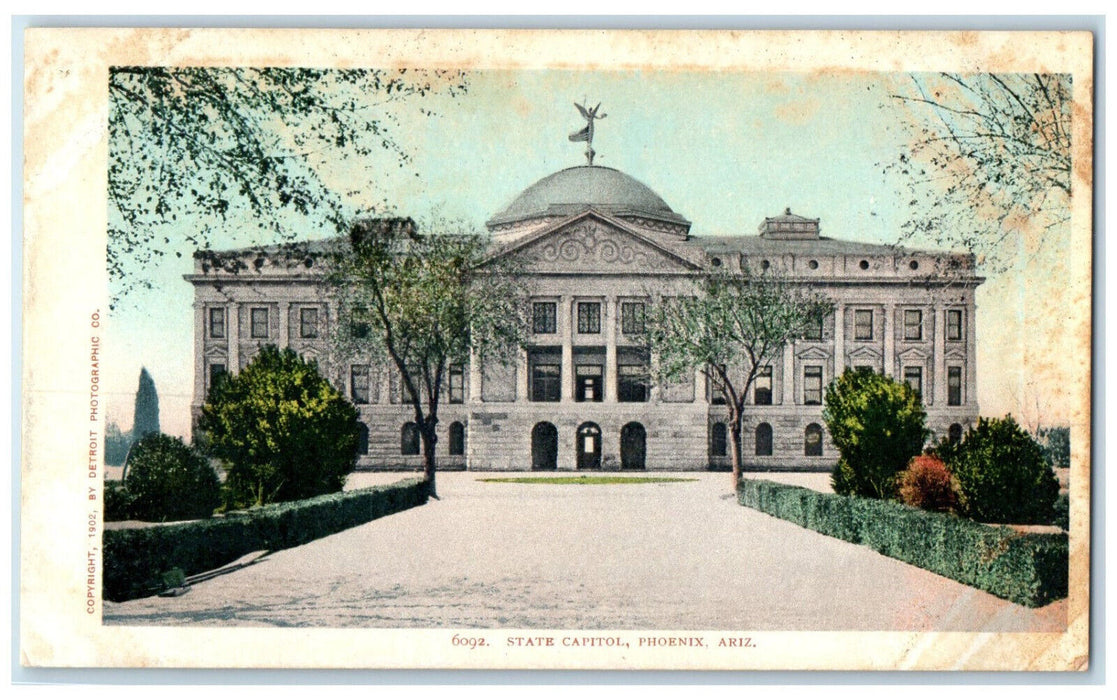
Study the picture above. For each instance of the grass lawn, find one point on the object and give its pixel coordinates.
(585, 480)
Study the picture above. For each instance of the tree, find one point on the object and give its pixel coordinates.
(734, 327)
(225, 149)
(117, 444)
(1055, 442)
(283, 432)
(1003, 474)
(145, 417)
(988, 160)
(421, 303)
(169, 480)
(878, 425)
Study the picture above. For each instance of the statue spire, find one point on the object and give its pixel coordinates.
(586, 134)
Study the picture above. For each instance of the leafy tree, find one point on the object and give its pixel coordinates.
(117, 444)
(145, 417)
(988, 160)
(1003, 475)
(421, 303)
(230, 148)
(734, 327)
(1056, 445)
(283, 432)
(878, 425)
(169, 480)
(928, 484)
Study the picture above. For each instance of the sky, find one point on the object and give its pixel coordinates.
(724, 150)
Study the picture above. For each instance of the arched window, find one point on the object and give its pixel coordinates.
(812, 440)
(457, 438)
(763, 440)
(409, 439)
(362, 439)
(955, 433)
(718, 442)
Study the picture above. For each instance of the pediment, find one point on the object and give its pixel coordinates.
(912, 355)
(215, 353)
(864, 352)
(594, 243)
(955, 354)
(813, 353)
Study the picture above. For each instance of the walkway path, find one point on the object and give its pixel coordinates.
(647, 556)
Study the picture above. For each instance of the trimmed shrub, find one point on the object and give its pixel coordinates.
(1028, 569)
(1061, 512)
(137, 559)
(282, 430)
(928, 484)
(168, 480)
(1002, 474)
(877, 424)
(1056, 445)
(118, 502)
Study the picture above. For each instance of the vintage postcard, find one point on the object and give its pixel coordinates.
(556, 349)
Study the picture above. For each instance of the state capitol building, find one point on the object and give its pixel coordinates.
(599, 245)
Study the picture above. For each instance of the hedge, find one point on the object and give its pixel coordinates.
(1028, 569)
(135, 559)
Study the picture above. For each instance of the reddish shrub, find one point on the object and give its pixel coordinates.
(928, 484)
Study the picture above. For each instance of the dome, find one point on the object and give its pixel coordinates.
(576, 189)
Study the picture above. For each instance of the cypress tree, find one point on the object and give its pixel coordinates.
(146, 417)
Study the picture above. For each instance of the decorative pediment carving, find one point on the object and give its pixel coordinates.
(866, 353)
(591, 245)
(955, 354)
(912, 355)
(813, 353)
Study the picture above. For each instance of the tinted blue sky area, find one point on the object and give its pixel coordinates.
(723, 149)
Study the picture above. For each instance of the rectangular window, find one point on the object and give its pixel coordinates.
(762, 387)
(543, 317)
(405, 395)
(260, 322)
(457, 384)
(217, 323)
(863, 324)
(812, 385)
(632, 317)
(308, 323)
(589, 317)
(588, 383)
(359, 383)
(954, 386)
(913, 324)
(546, 382)
(813, 329)
(714, 393)
(913, 377)
(954, 324)
(216, 372)
(632, 383)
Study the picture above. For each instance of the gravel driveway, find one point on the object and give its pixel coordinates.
(636, 556)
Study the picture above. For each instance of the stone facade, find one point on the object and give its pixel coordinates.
(599, 245)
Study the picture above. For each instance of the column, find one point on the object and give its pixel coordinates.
(789, 374)
(521, 375)
(970, 389)
(233, 332)
(938, 362)
(889, 340)
(566, 317)
(200, 368)
(474, 377)
(284, 323)
(610, 378)
(839, 339)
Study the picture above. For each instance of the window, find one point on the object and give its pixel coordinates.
(812, 440)
(813, 329)
(546, 382)
(589, 317)
(954, 324)
(632, 383)
(362, 439)
(308, 323)
(359, 326)
(954, 434)
(543, 317)
(763, 440)
(260, 323)
(913, 324)
(457, 384)
(714, 393)
(812, 385)
(953, 386)
(913, 377)
(863, 324)
(216, 373)
(632, 317)
(409, 439)
(457, 439)
(359, 383)
(719, 444)
(217, 323)
(587, 383)
(762, 387)
(405, 395)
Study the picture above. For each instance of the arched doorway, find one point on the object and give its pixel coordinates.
(589, 446)
(457, 438)
(544, 446)
(633, 446)
(764, 440)
(812, 440)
